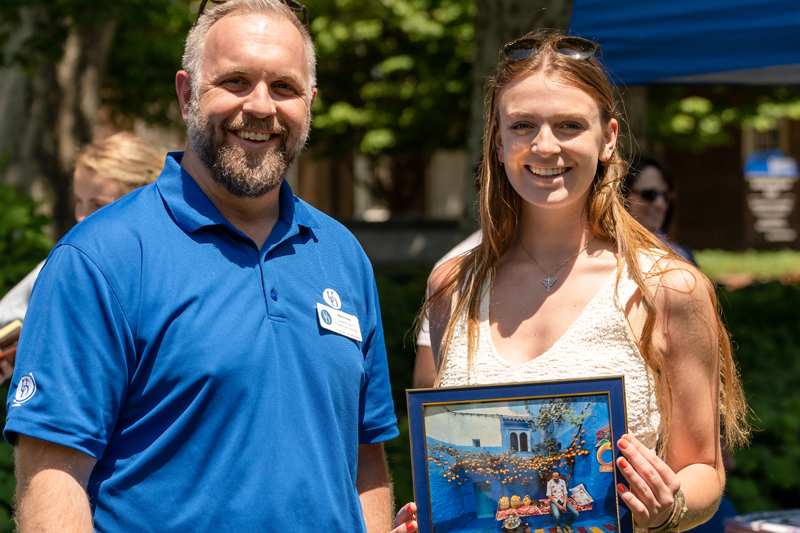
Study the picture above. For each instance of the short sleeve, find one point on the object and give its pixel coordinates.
(377, 421)
(74, 358)
(424, 335)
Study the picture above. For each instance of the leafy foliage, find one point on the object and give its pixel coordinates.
(52, 22)
(697, 117)
(140, 80)
(22, 241)
(393, 74)
(765, 327)
(394, 79)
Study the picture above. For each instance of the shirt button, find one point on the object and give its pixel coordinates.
(273, 296)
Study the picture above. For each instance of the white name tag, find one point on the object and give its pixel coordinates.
(339, 322)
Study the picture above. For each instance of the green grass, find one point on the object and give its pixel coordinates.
(757, 265)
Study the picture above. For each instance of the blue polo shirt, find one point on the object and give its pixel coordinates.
(194, 367)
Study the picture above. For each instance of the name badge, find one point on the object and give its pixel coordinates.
(339, 322)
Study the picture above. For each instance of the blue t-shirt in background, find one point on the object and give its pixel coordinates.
(192, 365)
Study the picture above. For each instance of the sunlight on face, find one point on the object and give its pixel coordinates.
(550, 138)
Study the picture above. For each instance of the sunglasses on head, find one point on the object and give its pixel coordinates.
(574, 47)
(297, 7)
(650, 195)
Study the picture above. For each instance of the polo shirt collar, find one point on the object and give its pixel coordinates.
(192, 209)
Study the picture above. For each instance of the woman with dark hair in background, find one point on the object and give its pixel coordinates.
(651, 197)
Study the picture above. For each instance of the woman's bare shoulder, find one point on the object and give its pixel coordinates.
(443, 275)
(678, 282)
(686, 302)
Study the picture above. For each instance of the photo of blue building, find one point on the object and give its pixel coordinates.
(480, 454)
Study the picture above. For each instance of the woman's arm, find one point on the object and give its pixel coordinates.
(686, 332)
(439, 314)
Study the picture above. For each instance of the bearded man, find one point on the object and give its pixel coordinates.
(206, 354)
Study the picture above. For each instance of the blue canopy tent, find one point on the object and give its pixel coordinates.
(755, 42)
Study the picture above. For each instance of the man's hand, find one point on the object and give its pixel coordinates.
(51, 487)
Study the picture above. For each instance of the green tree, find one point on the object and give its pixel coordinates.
(701, 117)
(394, 83)
(61, 61)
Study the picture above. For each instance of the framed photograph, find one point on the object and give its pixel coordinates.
(487, 459)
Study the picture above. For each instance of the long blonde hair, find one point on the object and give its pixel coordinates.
(500, 213)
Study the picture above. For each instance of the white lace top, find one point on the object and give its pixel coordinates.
(598, 343)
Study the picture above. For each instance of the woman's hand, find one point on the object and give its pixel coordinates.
(406, 519)
(653, 484)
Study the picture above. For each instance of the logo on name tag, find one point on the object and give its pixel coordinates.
(338, 321)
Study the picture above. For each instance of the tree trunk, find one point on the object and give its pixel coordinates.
(498, 22)
(48, 114)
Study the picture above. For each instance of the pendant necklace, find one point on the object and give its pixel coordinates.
(550, 279)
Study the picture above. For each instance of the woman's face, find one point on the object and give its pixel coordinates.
(550, 137)
(93, 191)
(650, 213)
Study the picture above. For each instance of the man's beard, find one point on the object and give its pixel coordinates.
(242, 173)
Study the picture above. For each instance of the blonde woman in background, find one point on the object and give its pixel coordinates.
(566, 284)
(105, 171)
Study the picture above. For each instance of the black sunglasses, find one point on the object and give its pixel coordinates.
(574, 47)
(650, 195)
(297, 7)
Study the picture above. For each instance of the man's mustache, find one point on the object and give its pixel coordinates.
(270, 125)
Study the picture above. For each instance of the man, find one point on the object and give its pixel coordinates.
(206, 354)
(559, 504)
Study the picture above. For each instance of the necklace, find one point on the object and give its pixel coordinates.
(550, 280)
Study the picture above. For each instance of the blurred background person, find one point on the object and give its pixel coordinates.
(105, 170)
(651, 197)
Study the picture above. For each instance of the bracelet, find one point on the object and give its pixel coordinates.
(678, 512)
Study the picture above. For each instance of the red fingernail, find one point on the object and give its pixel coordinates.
(622, 443)
(411, 526)
(621, 488)
(622, 462)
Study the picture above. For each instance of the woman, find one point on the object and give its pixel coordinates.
(650, 195)
(104, 171)
(566, 284)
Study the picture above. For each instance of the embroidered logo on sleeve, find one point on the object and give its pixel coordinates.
(25, 390)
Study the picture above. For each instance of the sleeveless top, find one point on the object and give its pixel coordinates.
(598, 343)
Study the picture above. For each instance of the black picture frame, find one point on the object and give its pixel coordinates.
(472, 446)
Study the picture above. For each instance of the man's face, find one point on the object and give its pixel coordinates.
(249, 118)
(556, 476)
